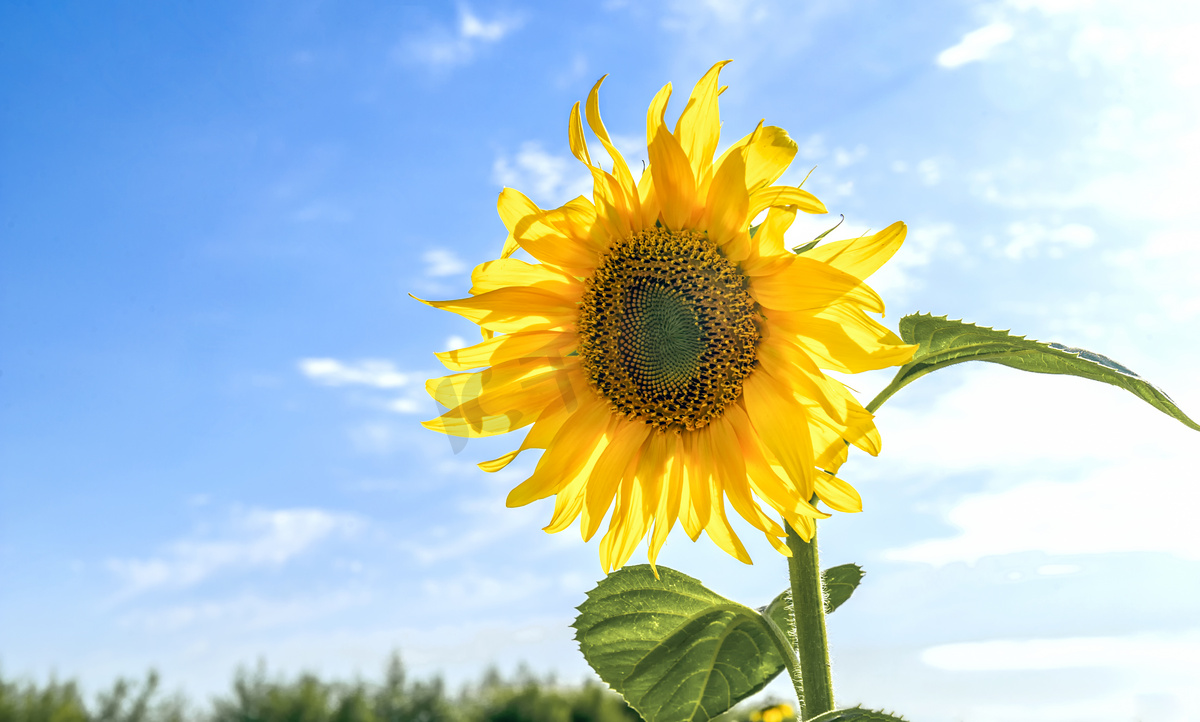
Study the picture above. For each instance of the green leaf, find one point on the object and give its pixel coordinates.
(675, 650)
(944, 343)
(840, 583)
(856, 714)
(813, 243)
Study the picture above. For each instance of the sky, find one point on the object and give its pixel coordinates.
(211, 376)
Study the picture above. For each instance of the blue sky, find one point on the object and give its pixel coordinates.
(211, 371)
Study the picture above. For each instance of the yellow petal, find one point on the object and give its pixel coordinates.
(456, 389)
(839, 495)
(770, 196)
(843, 338)
(512, 310)
(656, 112)
(513, 205)
(728, 201)
(860, 257)
(780, 423)
(733, 478)
(569, 501)
(674, 184)
(723, 535)
(631, 517)
(767, 254)
(718, 527)
(769, 151)
(620, 168)
(610, 469)
(699, 126)
(546, 237)
(669, 500)
(808, 285)
(575, 137)
(777, 490)
(806, 528)
(504, 408)
(497, 350)
(580, 435)
(791, 366)
(509, 272)
(685, 453)
(577, 219)
(539, 437)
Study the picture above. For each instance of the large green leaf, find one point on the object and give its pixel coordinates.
(944, 342)
(675, 650)
(856, 714)
(840, 583)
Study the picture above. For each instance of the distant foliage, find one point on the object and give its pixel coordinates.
(258, 697)
(58, 701)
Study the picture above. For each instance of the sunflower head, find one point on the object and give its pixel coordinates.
(664, 346)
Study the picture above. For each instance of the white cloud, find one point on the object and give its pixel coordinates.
(405, 405)
(930, 171)
(442, 262)
(255, 538)
(1052, 7)
(1118, 509)
(378, 437)
(843, 157)
(443, 49)
(1029, 239)
(1074, 467)
(813, 147)
(573, 72)
(976, 45)
(247, 612)
(368, 372)
(470, 26)
(549, 179)
(375, 373)
(692, 17)
(475, 590)
(1179, 653)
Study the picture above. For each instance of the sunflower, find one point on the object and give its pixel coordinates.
(669, 354)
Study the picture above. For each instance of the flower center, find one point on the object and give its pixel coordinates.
(667, 329)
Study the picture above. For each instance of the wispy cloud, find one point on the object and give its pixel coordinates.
(546, 177)
(1031, 517)
(376, 374)
(976, 45)
(368, 372)
(442, 262)
(1029, 239)
(442, 48)
(382, 438)
(1140, 651)
(247, 612)
(254, 538)
(1064, 477)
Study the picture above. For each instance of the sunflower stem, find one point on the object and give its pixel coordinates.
(815, 688)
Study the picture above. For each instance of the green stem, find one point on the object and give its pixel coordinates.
(808, 612)
(887, 392)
